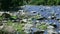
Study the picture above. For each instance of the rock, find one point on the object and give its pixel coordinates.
(39, 32)
(6, 15)
(27, 28)
(9, 29)
(42, 18)
(53, 17)
(1, 27)
(59, 32)
(51, 30)
(54, 25)
(24, 20)
(1, 24)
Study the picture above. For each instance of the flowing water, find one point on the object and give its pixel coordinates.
(46, 11)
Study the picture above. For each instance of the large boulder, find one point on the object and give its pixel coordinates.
(7, 29)
(6, 15)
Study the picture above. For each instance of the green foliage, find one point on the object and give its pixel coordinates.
(16, 26)
(9, 23)
(1, 18)
(43, 2)
(6, 5)
(14, 17)
(37, 2)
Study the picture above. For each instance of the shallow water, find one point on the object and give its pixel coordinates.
(46, 11)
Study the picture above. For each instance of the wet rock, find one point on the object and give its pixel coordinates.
(54, 25)
(42, 18)
(53, 17)
(51, 30)
(59, 32)
(57, 19)
(39, 32)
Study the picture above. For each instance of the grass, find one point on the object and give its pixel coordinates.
(1, 18)
(14, 17)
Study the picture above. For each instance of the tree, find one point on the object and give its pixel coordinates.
(7, 4)
(43, 2)
(57, 2)
(25, 2)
